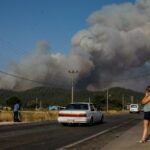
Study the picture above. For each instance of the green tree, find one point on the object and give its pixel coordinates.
(115, 104)
(12, 100)
(32, 104)
(99, 102)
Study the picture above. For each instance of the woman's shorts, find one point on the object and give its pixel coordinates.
(147, 115)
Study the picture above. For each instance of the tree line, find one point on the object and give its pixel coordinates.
(45, 96)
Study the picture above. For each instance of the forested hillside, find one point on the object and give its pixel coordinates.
(52, 96)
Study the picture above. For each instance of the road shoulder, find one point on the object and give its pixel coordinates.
(106, 139)
(129, 140)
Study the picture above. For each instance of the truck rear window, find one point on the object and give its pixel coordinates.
(133, 106)
(77, 107)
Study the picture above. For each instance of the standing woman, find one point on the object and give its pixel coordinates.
(16, 112)
(146, 102)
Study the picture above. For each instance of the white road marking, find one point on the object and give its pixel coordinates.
(92, 136)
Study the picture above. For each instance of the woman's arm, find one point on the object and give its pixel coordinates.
(146, 99)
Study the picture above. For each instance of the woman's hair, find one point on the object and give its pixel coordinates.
(148, 88)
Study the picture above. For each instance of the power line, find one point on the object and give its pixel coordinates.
(44, 83)
(23, 78)
(8, 43)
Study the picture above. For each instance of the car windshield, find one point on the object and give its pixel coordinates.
(133, 106)
(77, 107)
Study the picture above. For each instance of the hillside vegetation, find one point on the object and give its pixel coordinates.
(46, 96)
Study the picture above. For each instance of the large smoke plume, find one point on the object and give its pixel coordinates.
(114, 48)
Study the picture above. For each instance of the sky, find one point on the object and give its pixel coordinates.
(25, 22)
(85, 34)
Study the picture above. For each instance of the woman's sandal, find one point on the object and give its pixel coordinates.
(142, 141)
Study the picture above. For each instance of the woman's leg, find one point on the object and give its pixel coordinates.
(145, 130)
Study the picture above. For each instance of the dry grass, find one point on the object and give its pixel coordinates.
(6, 116)
(115, 112)
(29, 116)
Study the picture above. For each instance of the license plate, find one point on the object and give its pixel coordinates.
(70, 121)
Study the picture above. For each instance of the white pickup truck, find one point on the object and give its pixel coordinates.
(134, 108)
(80, 113)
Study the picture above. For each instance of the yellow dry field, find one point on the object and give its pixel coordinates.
(29, 116)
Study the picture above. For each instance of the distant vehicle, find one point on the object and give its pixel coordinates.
(81, 113)
(134, 108)
(53, 107)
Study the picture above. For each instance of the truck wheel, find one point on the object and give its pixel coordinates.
(102, 119)
(64, 124)
(91, 121)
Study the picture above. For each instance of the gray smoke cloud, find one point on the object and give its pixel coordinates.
(114, 48)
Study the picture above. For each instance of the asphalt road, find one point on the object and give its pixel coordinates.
(50, 135)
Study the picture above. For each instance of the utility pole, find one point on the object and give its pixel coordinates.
(123, 102)
(36, 103)
(89, 100)
(72, 72)
(132, 99)
(40, 104)
(107, 103)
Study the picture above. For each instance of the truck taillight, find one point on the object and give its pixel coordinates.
(82, 115)
(60, 115)
(71, 115)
